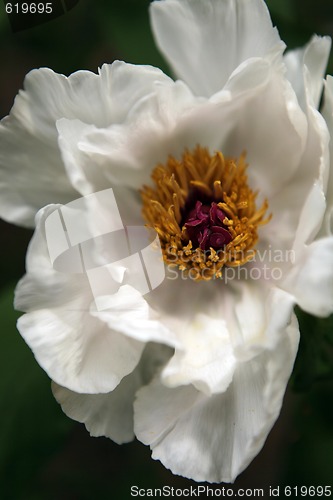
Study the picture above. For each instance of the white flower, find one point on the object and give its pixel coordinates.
(207, 363)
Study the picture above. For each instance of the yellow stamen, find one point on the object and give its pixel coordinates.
(202, 176)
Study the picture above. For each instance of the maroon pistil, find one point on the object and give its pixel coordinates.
(205, 228)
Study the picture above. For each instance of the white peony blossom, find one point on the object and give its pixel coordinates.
(232, 161)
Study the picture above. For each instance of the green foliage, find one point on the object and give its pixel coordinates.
(282, 9)
(33, 427)
(310, 453)
(315, 356)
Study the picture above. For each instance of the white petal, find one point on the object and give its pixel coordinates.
(49, 289)
(32, 173)
(205, 41)
(214, 438)
(125, 154)
(80, 347)
(43, 287)
(74, 346)
(310, 218)
(205, 357)
(130, 314)
(301, 204)
(305, 191)
(261, 315)
(257, 112)
(77, 350)
(220, 325)
(328, 115)
(109, 414)
(310, 280)
(298, 206)
(234, 326)
(272, 129)
(306, 69)
(126, 85)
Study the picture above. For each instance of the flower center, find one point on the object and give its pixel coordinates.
(205, 227)
(204, 212)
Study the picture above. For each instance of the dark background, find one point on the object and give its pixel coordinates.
(44, 455)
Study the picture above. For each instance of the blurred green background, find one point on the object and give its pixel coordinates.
(44, 455)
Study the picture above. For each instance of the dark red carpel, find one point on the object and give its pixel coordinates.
(205, 228)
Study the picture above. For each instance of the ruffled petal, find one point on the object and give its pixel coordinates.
(32, 173)
(272, 129)
(130, 313)
(204, 349)
(222, 324)
(306, 69)
(298, 207)
(327, 111)
(204, 42)
(125, 86)
(77, 350)
(43, 287)
(214, 438)
(125, 154)
(257, 112)
(80, 348)
(111, 414)
(310, 218)
(310, 280)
